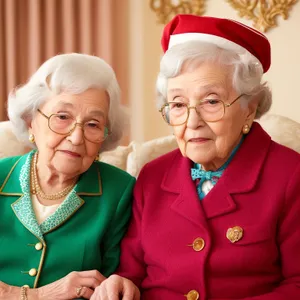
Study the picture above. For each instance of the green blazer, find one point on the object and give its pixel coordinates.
(84, 233)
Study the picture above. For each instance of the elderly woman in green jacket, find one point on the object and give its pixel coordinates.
(62, 212)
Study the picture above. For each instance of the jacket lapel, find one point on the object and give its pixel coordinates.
(89, 184)
(178, 180)
(240, 176)
(64, 212)
(24, 212)
(218, 201)
(17, 183)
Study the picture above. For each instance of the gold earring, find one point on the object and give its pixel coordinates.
(97, 157)
(31, 138)
(246, 129)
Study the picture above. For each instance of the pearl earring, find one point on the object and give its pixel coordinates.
(31, 138)
(246, 129)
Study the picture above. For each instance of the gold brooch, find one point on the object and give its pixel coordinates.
(234, 234)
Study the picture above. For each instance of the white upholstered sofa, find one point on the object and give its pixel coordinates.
(133, 156)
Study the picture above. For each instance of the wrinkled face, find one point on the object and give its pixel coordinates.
(70, 154)
(208, 143)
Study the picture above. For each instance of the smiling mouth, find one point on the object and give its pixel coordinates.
(198, 140)
(73, 154)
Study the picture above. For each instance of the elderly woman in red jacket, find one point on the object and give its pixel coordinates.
(219, 218)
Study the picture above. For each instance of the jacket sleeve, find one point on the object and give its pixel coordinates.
(288, 239)
(117, 230)
(132, 265)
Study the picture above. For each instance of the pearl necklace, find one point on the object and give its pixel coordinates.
(37, 190)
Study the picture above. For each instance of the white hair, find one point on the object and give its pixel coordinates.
(72, 73)
(246, 72)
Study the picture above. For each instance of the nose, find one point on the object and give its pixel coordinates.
(76, 137)
(194, 119)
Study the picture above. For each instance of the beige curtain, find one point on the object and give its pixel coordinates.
(31, 31)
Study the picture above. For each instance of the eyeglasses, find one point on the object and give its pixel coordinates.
(64, 124)
(210, 110)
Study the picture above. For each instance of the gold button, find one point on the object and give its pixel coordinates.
(192, 295)
(198, 244)
(32, 272)
(38, 246)
(234, 234)
(26, 286)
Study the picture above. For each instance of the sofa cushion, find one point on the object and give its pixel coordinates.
(9, 145)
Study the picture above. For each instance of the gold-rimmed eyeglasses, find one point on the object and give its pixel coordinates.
(176, 113)
(64, 124)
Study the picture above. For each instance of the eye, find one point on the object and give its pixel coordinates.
(63, 117)
(176, 105)
(93, 125)
(212, 101)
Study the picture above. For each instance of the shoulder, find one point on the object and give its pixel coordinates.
(7, 163)
(260, 149)
(283, 150)
(282, 156)
(276, 150)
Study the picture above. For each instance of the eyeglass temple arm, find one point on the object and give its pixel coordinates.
(229, 104)
(42, 113)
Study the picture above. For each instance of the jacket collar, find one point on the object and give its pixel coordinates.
(17, 183)
(240, 176)
(178, 180)
(89, 183)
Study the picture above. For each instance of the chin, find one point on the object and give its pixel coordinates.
(67, 168)
(69, 172)
(199, 157)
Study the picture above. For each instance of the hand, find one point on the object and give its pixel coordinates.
(9, 292)
(74, 285)
(115, 288)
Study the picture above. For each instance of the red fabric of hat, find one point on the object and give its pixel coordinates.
(225, 33)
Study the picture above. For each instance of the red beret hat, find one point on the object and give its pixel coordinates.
(225, 33)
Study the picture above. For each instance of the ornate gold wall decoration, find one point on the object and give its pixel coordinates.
(263, 12)
(166, 9)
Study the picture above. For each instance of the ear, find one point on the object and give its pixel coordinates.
(28, 120)
(252, 107)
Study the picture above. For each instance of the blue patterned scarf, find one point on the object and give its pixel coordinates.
(213, 176)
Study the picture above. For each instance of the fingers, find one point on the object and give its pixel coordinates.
(131, 295)
(130, 292)
(74, 285)
(88, 282)
(92, 273)
(86, 292)
(114, 287)
(111, 289)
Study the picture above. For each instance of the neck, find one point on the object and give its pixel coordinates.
(49, 180)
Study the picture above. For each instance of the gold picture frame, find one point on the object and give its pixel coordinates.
(264, 13)
(167, 9)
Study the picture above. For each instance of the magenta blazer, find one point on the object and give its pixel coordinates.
(177, 247)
